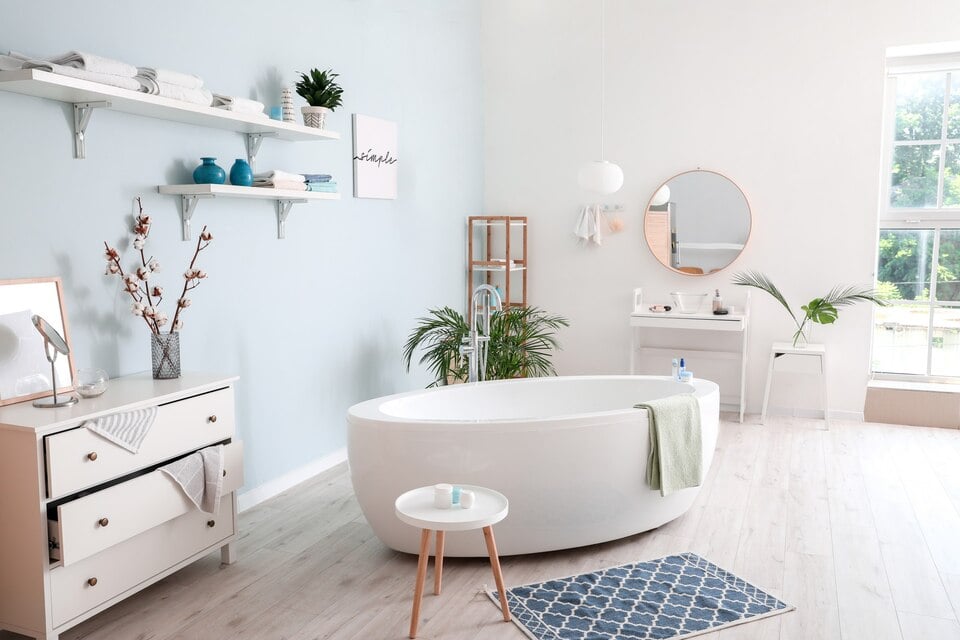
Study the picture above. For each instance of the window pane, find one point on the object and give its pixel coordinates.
(951, 174)
(913, 178)
(948, 267)
(900, 339)
(945, 360)
(920, 106)
(904, 265)
(953, 112)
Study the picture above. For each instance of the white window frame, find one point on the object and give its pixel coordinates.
(912, 218)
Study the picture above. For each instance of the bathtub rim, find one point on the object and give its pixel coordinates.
(368, 412)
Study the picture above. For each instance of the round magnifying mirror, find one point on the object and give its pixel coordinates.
(51, 335)
(702, 227)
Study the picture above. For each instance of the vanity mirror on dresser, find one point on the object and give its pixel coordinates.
(85, 523)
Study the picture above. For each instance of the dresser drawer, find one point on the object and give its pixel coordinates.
(79, 458)
(89, 525)
(95, 580)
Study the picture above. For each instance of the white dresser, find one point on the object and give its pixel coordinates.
(84, 523)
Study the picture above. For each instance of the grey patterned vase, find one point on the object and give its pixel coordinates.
(165, 349)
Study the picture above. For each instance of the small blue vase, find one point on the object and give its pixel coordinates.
(209, 173)
(241, 174)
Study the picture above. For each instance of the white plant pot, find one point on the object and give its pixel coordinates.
(314, 116)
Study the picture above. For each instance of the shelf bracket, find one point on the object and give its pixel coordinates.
(188, 203)
(253, 145)
(283, 212)
(81, 118)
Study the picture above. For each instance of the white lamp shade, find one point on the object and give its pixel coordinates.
(661, 197)
(601, 176)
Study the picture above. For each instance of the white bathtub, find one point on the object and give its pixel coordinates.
(568, 452)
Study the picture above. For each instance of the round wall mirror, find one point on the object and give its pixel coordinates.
(697, 222)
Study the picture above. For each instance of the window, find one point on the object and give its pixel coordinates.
(918, 266)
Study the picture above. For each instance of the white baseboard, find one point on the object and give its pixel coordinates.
(817, 414)
(267, 490)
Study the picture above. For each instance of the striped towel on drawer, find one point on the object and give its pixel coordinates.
(200, 475)
(127, 429)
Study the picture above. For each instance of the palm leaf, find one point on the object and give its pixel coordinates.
(841, 296)
(760, 281)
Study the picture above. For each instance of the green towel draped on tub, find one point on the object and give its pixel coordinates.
(676, 452)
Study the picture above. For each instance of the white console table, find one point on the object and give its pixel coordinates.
(732, 322)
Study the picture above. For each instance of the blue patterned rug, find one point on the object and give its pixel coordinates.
(674, 597)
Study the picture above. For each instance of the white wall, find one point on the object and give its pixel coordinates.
(784, 99)
(312, 323)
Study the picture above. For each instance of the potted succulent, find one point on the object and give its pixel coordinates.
(322, 93)
(521, 341)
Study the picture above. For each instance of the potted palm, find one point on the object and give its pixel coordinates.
(823, 310)
(521, 343)
(322, 93)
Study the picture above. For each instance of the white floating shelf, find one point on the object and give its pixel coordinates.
(190, 194)
(86, 96)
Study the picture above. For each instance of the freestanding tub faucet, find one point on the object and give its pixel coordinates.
(484, 301)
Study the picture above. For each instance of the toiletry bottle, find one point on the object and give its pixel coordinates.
(675, 370)
(717, 302)
(683, 367)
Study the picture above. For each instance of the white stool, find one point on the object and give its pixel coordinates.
(810, 351)
(416, 508)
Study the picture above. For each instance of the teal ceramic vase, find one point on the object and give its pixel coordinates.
(209, 172)
(241, 174)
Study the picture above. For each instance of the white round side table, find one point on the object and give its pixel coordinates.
(416, 508)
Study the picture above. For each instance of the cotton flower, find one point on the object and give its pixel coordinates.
(153, 265)
(131, 286)
(161, 319)
(157, 291)
(178, 325)
(190, 274)
(137, 309)
(149, 311)
(111, 269)
(183, 303)
(111, 254)
(143, 273)
(199, 274)
(206, 235)
(139, 241)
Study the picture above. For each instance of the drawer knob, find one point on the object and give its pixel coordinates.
(92, 582)
(212, 418)
(211, 523)
(92, 456)
(224, 473)
(103, 522)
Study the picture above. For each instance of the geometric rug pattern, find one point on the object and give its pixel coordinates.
(679, 596)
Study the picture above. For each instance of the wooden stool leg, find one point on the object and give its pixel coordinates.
(421, 578)
(438, 564)
(497, 574)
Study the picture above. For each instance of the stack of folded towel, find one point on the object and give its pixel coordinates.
(174, 85)
(280, 180)
(238, 105)
(320, 182)
(77, 64)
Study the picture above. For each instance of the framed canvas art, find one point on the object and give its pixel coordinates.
(375, 159)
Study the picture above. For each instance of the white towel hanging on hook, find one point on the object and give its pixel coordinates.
(588, 227)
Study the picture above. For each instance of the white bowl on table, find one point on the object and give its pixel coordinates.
(688, 302)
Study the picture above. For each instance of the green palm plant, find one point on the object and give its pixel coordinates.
(522, 340)
(823, 310)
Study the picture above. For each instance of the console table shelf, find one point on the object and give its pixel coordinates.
(87, 96)
(284, 199)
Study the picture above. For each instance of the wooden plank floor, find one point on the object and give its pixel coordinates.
(859, 527)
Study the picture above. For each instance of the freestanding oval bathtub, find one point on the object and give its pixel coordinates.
(570, 454)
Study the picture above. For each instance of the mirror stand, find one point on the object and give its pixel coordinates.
(54, 401)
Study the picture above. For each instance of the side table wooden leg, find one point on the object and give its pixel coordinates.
(421, 578)
(497, 574)
(438, 564)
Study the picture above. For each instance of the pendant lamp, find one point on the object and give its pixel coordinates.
(601, 176)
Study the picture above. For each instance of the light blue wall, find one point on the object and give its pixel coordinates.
(312, 323)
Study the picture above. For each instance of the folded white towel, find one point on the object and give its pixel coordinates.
(95, 64)
(176, 92)
(148, 85)
(73, 72)
(185, 80)
(10, 63)
(240, 105)
(289, 185)
(127, 429)
(200, 475)
(245, 112)
(276, 174)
